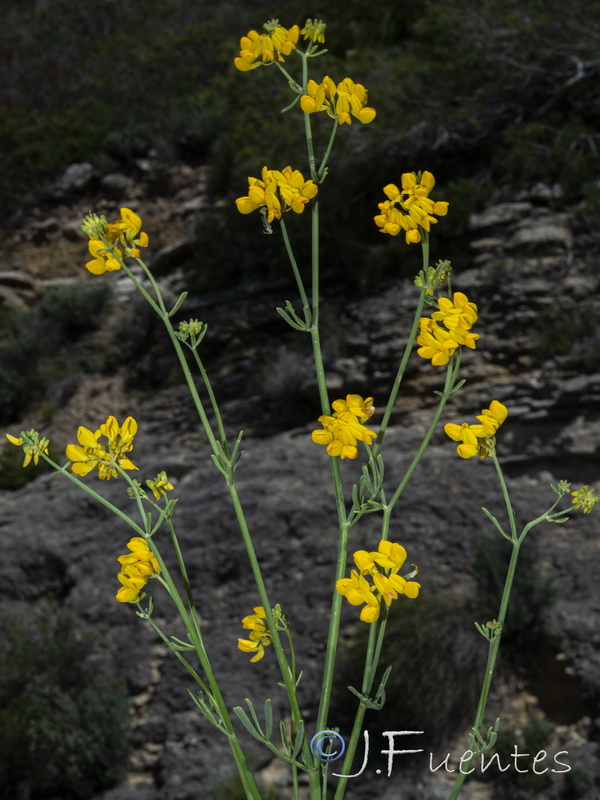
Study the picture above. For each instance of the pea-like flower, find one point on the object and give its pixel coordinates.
(259, 636)
(478, 439)
(344, 429)
(409, 208)
(276, 192)
(260, 49)
(137, 567)
(457, 315)
(91, 454)
(111, 242)
(584, 498)
(342, 101)
(382, 567)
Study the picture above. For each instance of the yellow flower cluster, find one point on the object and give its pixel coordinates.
(478, 439)
(382, 567)
(458, 315)
(413, 198)
(584, 498)
(90, 454)
(277, 192)
(341, 102)
(258, 49)
(343, 430)
(111, 242)
(259, 636)
(30, 453)
(137, 567)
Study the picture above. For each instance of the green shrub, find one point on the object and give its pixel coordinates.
(63, 729)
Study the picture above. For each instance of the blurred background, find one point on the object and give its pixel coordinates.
(137, 103)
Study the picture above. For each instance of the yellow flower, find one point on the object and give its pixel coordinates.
(89, 454)
(258, 49)
(341, 102)
(160, 485)
(125, 230)
(131, 587)
(111, 242)
(584, 498)
(413, 198)
(136, 568)
(260, 636)
(341, 433)
(387, 585)
(458, 315)
(104, 260)
(354, 403)
(357, 590)
(277, 192)
(31, 452)
(478, 439)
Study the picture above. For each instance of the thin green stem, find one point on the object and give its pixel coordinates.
(294, 265)
(212, 398)
(323, 166)
(88, 490)
(451, 375)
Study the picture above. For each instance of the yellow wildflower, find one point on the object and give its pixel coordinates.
(409, 208)
(341, 433)
(277, 192)
(342, 101)
(478, 439)
(458, 315)
(89, 454)
(111, 242)
(31, 452)
(104, 259)
(125, 230)
(259, 636)
(584, 498)
(362, 409)
(387, 585)
(258, 49)
(136, 568)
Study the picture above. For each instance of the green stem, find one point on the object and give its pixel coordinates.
(212, 398)
(294, 265)
(376, 635)
(451, 375)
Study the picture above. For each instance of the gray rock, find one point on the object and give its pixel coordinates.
(74, 179)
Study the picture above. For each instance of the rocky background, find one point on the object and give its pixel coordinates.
(533, 273)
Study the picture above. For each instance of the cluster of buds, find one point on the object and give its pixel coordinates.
(344, 429)
(277, 192)
(382, 567)
(478, 439)
(137, 567)
(342, 101)
(410, 209)
(458, 316)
